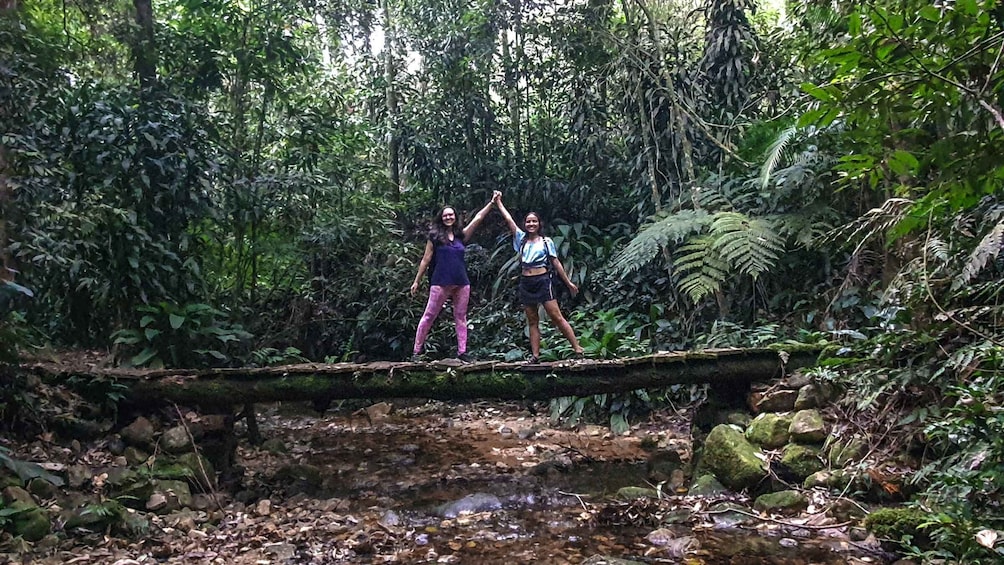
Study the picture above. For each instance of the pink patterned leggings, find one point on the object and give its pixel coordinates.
(461, 295)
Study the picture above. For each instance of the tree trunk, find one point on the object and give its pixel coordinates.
(8, 9)
(510, 63)
(390, 76)
(442, 380)
(145, 50)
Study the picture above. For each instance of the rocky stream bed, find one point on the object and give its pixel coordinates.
(421, 482)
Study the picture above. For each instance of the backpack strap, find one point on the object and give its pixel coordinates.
(522, 248)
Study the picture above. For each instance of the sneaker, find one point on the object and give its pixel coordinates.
(465, 358)
(533, 360)
(416, 358)
(579, 355)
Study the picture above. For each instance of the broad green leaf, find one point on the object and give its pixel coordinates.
(930, 13)
(817, 92)
(27, 470)
(176, 321)
(143, 357)
(903, 163)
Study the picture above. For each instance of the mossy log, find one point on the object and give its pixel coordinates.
(443, 380)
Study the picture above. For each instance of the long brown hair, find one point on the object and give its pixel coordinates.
(439, 233)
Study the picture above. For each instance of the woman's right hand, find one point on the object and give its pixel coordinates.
(414, 288)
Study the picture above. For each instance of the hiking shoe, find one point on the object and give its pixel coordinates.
(465, 358)
(416, 358)
(579, 355)
(533, 360)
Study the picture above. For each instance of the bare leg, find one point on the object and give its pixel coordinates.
(554, 312)
(533, 320)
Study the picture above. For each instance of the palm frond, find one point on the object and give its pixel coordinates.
(988, 248)
(938, 249)
(752, 245)
(873, 222)
(774, 154)
(651, 238)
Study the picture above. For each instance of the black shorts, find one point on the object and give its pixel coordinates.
(536, 289)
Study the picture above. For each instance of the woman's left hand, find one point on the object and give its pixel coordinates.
(572, 289)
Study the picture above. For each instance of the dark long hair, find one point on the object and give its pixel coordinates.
(440, 234)
(540, 223)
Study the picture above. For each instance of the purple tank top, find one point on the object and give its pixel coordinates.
(450, 267)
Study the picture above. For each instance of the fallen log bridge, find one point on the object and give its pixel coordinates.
(724, 369)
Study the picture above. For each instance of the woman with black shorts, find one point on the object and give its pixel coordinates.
(537, 257)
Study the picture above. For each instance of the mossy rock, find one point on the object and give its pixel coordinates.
(201, 471)
(94, 516)
(787, 502)
(769, 430)
(706, 485)
(844, 452)
(734, 461)
(895, 524)
(801, 461)
(30, 522)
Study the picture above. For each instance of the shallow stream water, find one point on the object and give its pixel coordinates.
(542, 494)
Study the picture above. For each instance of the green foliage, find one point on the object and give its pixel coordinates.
(12, 323)
(270, 356)
(170, 335)
(607, 334)
(617, 408)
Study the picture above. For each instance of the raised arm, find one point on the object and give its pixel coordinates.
(470, 228)
(513, 228)
(423, 266)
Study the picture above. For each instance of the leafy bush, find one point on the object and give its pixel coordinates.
(180, 336)
(12, 322)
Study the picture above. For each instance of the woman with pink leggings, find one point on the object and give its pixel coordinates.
(444, 251)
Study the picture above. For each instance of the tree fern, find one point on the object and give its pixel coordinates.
(989, 248)
(751, 245)
(703, 269)
(651, 238)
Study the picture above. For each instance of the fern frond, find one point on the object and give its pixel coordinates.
(774, 154)
(751, 245)
(651, 238)
(710, 198)
(806, 227)
(988, 248)
(703, 268)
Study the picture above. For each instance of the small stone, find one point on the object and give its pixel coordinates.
(139, 433)
(264, 507)
(156, 502)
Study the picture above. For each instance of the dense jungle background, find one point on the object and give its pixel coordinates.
(245, 183)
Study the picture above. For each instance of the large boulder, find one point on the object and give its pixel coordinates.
(737, 463)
